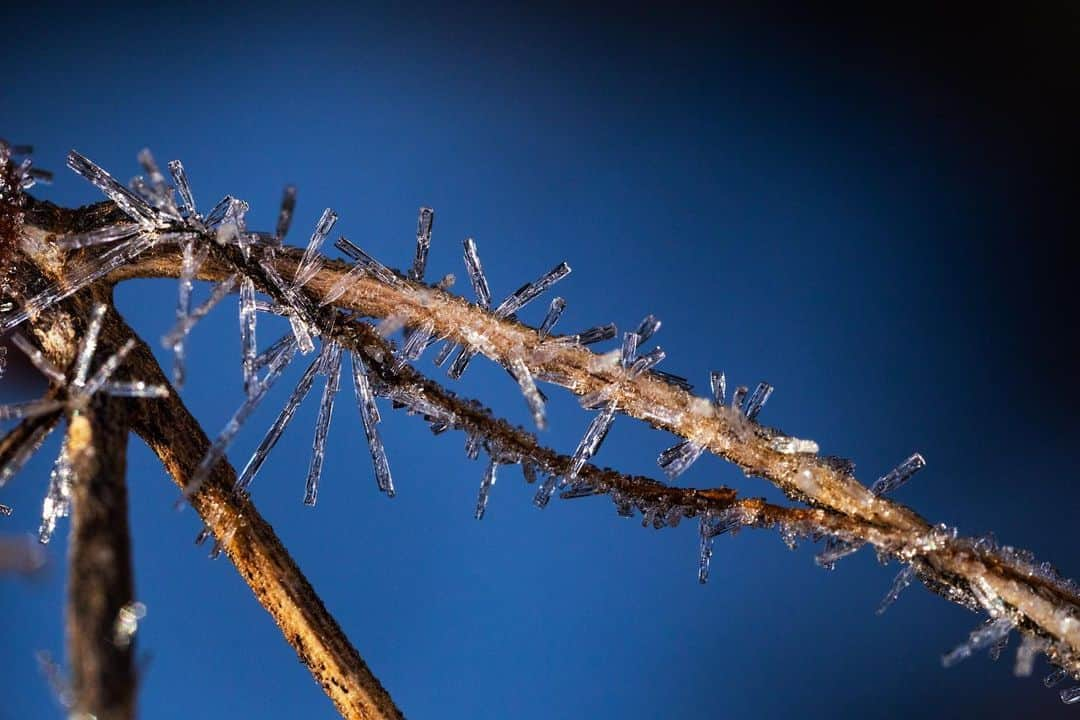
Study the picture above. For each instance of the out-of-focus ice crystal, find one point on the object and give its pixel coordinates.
(981, 638)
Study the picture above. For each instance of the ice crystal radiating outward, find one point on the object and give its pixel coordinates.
(248, 345)
(190, 262)
(590, 442)
(57, 502)
(899, 475)
(369, 415)
(176, 169)
(414, 346)
(1070, 696)
(710, 525)
(131, 204)
(330, 366)
(424, 221)
(311, 261)
(303, 387)
(77, 275)
(981, 638)
(530, 291)
(901, 581)
(597, 334)
(485, 488)
(476, 274)
(758, 400)
(554, 312)
(739, 396)
(525, 381)
(225, 437)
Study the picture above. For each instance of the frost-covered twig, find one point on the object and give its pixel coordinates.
(1004, 583)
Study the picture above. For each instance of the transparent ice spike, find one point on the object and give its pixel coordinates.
(980, 639)
(425, 218)
(900, 582)
(677, 459)
(758, 400)
(554, 312)
(303, 387)
(248, 342)
(176, 169)
(898, 475)
(530, 291)
(310, 261)
(369, 415)
(476, 274)
(485, 488)
(527, 384)
(591, 441)
(131, 204)
(331, 368)
(225, 437)
(597, 334)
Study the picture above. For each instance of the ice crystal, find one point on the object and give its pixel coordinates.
(369, 415)
(425, 219)
(901, 581)
(554, 312)
(757, 401)
(330, 366)
(303, 387)
(983, 637)
(597, 334)
(710, 525)
(899, 475)
(1070, 696)
(1029, 649)
(221, 443)
(485, 488)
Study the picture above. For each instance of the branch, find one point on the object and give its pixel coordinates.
(100, 609)
(247, 539)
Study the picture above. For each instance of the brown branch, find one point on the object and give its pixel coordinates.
(247, 539)
(100, 578)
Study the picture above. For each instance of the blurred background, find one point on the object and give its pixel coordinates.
(867, 208)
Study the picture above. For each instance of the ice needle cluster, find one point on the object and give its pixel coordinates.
(70, 397)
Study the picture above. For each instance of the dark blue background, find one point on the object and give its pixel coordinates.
(868, 212)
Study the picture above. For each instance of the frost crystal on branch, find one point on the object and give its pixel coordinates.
(899, 475)
(901, 581)
(369, 415)
(554, 312)
(981, 638)
(485, 488)
(330, 366)
(424, 221)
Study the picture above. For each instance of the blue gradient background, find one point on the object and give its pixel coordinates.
(868, 213)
